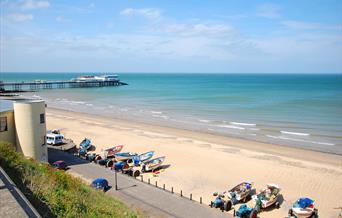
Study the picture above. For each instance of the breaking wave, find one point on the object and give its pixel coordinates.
(295, 133)
(243, 124)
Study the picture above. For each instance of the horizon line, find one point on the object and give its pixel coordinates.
(146, 72)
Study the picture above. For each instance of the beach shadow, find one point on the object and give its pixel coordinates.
(92, 148)
(127, 187)
(163, 167)
(253, 192)
(70, 159)
(281, 199)
(108, 188)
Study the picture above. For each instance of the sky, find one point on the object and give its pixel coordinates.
(227, 36)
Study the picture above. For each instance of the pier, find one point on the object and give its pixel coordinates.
(36, 85)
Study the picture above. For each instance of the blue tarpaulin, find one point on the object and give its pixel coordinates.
(304, 202)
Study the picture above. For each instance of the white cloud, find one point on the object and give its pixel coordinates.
(151, 13)
(303, 53)
(198, 29)
(31, 4)
(61, 19)
(268, 11)
(18, 17)
(309, 25)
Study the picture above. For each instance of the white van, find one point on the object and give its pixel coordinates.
(54, 139)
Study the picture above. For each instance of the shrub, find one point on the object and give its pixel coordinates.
(56, 193)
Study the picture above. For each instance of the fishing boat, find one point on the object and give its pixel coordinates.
(146, 156)
(268, 196)
(85, 144)
(153, 164)
(110, 152)
(303, 208)
(124, 156)
(138, 160)
(225, 200)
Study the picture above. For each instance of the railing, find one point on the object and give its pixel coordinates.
(163, 187)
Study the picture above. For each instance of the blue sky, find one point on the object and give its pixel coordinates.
(303, 36)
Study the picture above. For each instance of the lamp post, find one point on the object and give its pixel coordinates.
(116, 180)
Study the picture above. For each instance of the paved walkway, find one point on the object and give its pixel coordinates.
(151, 201)
(13, 204)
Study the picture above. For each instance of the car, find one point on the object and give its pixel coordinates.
(60, 164)
(100, 184)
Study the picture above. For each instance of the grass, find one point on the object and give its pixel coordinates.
(55, 193)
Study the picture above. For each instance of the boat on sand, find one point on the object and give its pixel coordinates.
(239, 193)
(110, 152)
(303, 208)
(85, 144)
(153, 164)
(124, 156)
(268, 196)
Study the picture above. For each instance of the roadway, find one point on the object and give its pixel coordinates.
(149, 200)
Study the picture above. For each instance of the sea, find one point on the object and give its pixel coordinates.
(298, 110)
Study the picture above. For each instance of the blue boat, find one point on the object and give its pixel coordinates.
(133, 161)
(124, 156)
(304, 208)
(146, 156)
(85, 144)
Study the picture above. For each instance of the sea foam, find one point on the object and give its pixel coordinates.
(231, 127)
(243, 124)
(295, 133)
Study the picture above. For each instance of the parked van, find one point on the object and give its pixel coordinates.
(54, 139)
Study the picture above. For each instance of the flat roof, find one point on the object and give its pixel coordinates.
(28, 101)
(6, 105)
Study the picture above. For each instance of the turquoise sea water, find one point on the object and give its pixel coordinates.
(294, 110)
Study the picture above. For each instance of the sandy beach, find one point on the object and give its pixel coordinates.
(204, 163)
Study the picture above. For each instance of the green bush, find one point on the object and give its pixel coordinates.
(56, 193)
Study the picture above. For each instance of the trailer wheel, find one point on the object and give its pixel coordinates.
(227, 205)
(110, 163)
(253, 214)
(136, 173)
(290, 212)
(315, 213)
(277, 205)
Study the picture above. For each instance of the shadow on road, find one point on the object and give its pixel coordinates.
(68, 158)
(126, 187)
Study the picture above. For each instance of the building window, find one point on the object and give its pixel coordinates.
(3, 124)
(42, 118)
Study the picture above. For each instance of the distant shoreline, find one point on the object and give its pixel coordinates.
(207, 133)
(259, 146)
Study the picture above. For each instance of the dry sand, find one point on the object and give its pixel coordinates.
(204, 163)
